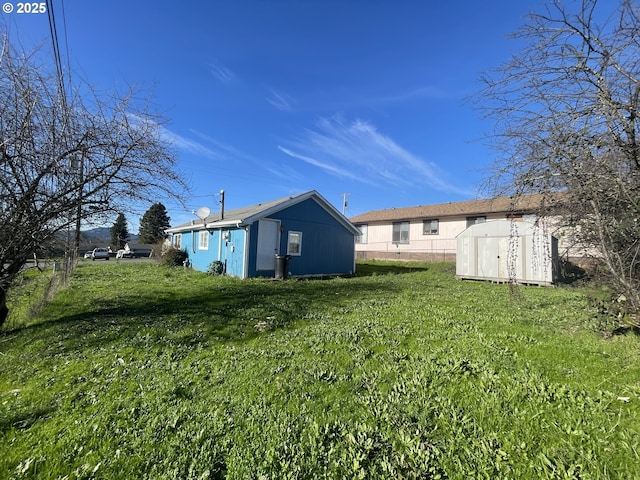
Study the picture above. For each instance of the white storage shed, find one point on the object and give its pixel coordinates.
(505, 251)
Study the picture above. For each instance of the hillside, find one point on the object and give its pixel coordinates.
(102, 234)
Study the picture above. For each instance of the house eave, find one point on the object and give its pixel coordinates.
(201, 225)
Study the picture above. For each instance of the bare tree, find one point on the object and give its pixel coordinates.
(566, 116)
(69, 157)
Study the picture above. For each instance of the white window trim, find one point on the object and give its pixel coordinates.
(429, 222)
(177, 240)
(289, 244)
(203, 240)
(400, 241)
(476, 220)
(363, 238)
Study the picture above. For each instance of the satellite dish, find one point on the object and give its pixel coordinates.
(203, 212)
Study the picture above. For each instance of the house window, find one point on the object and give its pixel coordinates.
(430, 227)
(475, 220)
(400, 232)
(294, 244)
(203, 240)
(177, 240)
(362, 238)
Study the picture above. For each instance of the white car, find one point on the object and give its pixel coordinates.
(100, 253)
(88, 254)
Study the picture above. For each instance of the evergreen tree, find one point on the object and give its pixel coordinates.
(119, 232)
(153, 224)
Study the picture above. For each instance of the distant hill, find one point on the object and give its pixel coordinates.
(99, 237)
(102, 233)
(89, 239)
(99, 233)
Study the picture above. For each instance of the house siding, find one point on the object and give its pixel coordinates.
(228, 250)
(442, 247)
(452, 218)
(200, 259)
(327, 247)
(327, 238)
(439, 247)
(232, 251)
(252, 271)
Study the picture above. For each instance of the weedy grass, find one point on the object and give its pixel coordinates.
(30, 292)
(142, 371)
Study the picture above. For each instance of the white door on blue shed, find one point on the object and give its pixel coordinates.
(268, 240)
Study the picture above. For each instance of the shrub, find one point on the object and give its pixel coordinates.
(174, 257)
(159, 249)
(215, 268)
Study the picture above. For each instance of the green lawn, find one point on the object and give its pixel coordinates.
(141, 371)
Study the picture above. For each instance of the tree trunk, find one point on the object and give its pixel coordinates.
(4, 311)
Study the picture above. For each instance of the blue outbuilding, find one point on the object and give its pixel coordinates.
(314, 237)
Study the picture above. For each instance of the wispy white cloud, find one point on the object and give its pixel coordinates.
(280, 101)
(252, 164)
(224, 150)
(174, 139)
(327, 167)
(347, 99)
(222, 73)
(285, 172)
(357, 150)
(187, 144)
(412, 94)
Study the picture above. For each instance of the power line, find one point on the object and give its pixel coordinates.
(66, 43)
(56, 50)
(62, 94)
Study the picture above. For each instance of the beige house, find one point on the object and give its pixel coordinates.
(428, 232)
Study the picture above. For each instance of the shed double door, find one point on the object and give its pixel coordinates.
(498, 258)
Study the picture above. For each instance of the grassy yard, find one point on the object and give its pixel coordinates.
(141, 371)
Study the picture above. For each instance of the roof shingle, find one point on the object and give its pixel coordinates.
(515, 205)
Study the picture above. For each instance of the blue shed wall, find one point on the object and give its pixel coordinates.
(232, 251)
(229, 250)
(200, 259)
(253, 248)
(327, 246)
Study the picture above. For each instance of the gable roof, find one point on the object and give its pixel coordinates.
(248, 215)
(522, 204)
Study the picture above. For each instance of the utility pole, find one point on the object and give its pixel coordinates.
(221, 204)
(344, 202)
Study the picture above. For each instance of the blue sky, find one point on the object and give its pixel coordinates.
(270, 98)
